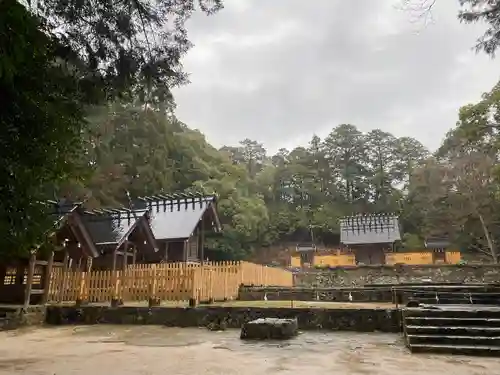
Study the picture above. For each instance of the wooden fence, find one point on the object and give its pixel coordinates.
(167, 282)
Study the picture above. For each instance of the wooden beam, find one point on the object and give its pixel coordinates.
(202, 247)
(82, 229)
(64, 272)
(29, 279)
(185, 247)
(115, 253)
(124, 270)
(128, 254)
(47, 275)
(124, 258)
(88, 264)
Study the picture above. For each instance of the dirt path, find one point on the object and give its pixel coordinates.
(153, 350)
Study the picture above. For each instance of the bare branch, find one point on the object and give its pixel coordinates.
(419, 10)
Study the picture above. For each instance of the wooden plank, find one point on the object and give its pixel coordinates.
(29, 280)
(202, 247)
(62, 285)
(46, 281)
(124, 280)
(128, 253)
(114, 260)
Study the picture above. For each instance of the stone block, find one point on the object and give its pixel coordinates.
(269, 328)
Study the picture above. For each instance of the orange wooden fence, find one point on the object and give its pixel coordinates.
(167, 282)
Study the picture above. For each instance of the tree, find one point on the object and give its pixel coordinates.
(253, 155)
(428, 206)
(471, 11)
(269, 200)
(473, 179)
(478, 126)
(381, 161)
(487, 11)
(409, 155)
(41, 127)
(59, 57)
(131, 48)
(346, 153)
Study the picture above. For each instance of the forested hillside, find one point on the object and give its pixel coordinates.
(90, 116)
(267, 199)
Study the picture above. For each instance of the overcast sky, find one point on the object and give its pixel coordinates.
(279, 71)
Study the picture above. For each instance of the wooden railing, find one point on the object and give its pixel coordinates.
(166, 282)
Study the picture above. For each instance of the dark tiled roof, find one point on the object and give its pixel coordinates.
(437, 243)
(305, 247)
(176, 216)
(111, 227)
(369, 229)
(60, 210)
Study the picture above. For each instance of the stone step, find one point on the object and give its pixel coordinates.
(455, 297)
(455, 301)
(454, 330)
(453, 340)
(476, 350)
(452, 311)
(450, 292)
(4, 310)
(451, 322)
(458, 296)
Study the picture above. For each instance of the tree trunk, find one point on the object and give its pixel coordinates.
(491, 245)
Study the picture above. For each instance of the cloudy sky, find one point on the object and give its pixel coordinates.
(279, 71)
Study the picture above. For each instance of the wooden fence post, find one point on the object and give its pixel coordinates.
(62, 286)
(47, 278)
(226, 275)
(81, 290)
(124, 271)
(152, 283)
(29, 279)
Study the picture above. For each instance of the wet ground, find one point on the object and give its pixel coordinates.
(154, 350)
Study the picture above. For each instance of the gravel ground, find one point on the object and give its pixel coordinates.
(153, 350)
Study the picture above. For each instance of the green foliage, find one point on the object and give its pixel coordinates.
(412, 241)
(459, 189)
(132, 48)
(263, 199)
(57, 58)
(474, 11)
(65, 63)
(41, 122)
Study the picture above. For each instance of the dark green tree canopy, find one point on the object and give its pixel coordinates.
(131, 46)
(58, 58)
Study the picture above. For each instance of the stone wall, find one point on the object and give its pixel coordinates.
(401, 274)
(360, 320)
(254, 293)
(15, 317)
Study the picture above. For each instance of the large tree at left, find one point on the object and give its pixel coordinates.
(56, 58)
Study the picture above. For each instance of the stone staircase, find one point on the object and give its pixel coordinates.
(446, 297)
(453, 329)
